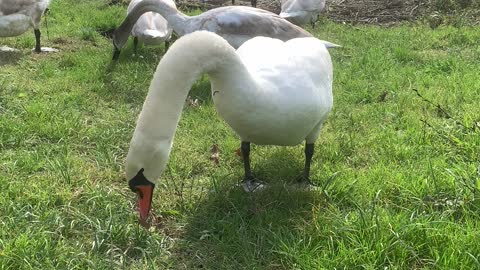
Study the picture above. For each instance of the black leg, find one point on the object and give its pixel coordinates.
(233, 2)
(313, 24)
(246, 160)
(249, 183)
(309, 147)
(37, 41)
(135, 44)
(254, 3)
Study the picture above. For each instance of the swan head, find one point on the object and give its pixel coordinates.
(120, 37)
(146, 160)
(144, 190)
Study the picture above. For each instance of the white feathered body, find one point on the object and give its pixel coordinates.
(292, 95)
(151, 28)
(269, 91)
(17, 16)
(301, 12)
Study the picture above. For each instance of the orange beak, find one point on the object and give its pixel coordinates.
(144, 189)
(145, 194)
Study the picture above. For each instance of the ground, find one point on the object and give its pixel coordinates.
(397, 162)
(385, 12)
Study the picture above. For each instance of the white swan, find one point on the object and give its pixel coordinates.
(151, 28)
(269, 91)
(234, 23)
(301, 12)
(17, 16)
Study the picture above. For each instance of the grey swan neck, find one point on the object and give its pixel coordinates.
(174, 17)
(189, 57)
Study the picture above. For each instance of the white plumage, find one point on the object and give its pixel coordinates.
(301, 12)
(269, 91)
(151, 28)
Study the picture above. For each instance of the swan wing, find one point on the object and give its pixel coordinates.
(14, 25)
(150, 26)
(161, 25)
(302, 58)
(294, 93)
(8, 7)
(301, 11)
(246, 22)
(27, 7)
(133, 3)
(293, 6)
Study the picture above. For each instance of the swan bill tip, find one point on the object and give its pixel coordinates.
(116, 53)
(144, 190)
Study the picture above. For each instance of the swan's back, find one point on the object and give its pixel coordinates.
(27, 7)
(151, 27)
(17, 16)
(305, 60)
(238, 24)
(293, 95)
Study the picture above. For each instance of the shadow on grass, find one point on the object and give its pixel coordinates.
(229, 228)
(10, 57)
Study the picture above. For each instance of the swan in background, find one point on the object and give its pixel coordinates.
(221, 2)
(301, 12)
(151, 28)
(269, 92)
(235, 24)
(17, 16)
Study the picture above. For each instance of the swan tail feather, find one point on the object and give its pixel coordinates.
(330, 44)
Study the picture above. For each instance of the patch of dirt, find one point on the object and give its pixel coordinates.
(375, 11)
(10, 57)
(387, 12)
(61, 41)
(383, 12)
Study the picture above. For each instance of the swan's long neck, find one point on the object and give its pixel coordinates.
(188, 58)
(175, 18)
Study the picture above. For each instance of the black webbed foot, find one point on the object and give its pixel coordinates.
(303, 182)
(252, 185)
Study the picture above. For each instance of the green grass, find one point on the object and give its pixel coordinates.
(399, 175)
